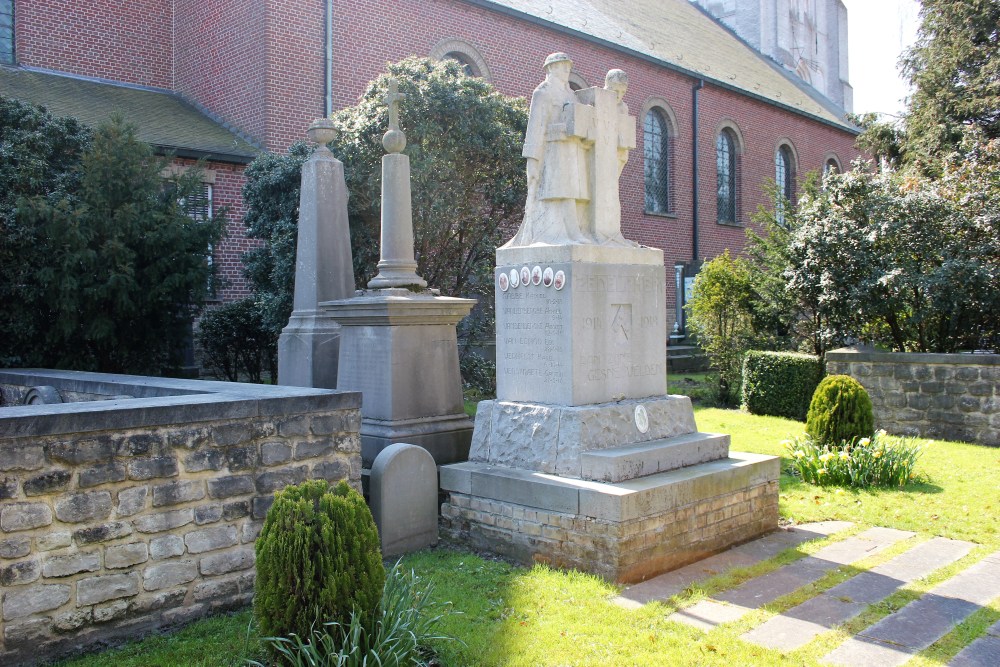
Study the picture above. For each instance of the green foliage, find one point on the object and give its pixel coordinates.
(121, 262)
(954, 67)
(779, 383)
(478, 373)
(840, 412)
(467, 179)
(399, 636)
(318, 560)
(884, 140)
(904, 262)
(720, 314)
(235, 340)
(880, 460)
(39, 157)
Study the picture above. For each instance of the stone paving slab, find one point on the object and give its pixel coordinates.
(799, 625)
(764, 589)
(897, 637)
(984, 652)
(745, 555)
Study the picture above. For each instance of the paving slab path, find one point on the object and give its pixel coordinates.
(900, 635)
(984, 652)
(745, 555)
(759, 591)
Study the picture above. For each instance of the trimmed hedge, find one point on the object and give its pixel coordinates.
(779, 383)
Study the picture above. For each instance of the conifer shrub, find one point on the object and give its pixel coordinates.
(318, 560)
(779, 383)
(840, 412)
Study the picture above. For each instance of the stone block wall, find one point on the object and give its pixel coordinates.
(150, 521)
(947, 396)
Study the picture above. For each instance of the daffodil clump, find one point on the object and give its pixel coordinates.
(881, 460)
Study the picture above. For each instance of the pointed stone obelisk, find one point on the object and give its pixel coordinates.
(399, 346)
(309, 347)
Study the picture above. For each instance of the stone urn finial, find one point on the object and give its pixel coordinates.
(322, 132)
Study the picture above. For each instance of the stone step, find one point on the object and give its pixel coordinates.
(798, 626)
(745, 555)
(900, 635)
(759, 591)
(617, 464)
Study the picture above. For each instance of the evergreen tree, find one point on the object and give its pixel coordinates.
(39, 156)
(955, 70)
(122, 262)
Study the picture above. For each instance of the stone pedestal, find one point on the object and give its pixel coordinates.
(583, 461)
(399, 349)
(579, 330)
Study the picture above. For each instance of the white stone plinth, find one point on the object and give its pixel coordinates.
(400, 350)
(588, 327)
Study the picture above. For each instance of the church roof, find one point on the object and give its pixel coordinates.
(681, 36)
(164, 119)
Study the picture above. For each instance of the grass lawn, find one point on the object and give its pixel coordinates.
(507, 615)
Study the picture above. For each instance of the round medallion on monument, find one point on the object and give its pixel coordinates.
(641, 418)
(536, 275)
(547, 277)
(525, 275)
(559, 281)
(515, 278)
(503, 281)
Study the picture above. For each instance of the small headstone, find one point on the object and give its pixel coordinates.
(403, 498)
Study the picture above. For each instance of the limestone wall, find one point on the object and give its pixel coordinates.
(140, 514)
(947, 396)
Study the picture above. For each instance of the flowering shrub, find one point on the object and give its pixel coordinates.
(881, 460)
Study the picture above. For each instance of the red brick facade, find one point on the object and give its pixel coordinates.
(259, 65)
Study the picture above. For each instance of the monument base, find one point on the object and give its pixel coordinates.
(399, 348)
(626, 531)
(308, 349)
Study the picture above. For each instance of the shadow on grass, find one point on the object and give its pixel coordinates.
(790, 482)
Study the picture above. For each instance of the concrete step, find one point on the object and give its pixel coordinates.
(617, 464)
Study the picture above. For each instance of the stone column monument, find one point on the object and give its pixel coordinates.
(399, 345)
(309, 346)
(583, 460)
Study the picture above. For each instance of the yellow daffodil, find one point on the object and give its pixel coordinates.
(798, 453)
(844, 456)
(825, 457)
(877, 453)
(821, 471)
(864, 442)
(786, 443)
(881, 433)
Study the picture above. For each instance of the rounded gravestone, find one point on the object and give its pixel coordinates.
(403, 494)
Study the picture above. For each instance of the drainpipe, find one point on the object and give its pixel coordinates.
(694, 168)
(328, 62)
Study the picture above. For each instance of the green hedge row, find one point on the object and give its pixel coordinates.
(780, 383)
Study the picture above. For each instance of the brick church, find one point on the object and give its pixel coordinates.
(222, 81)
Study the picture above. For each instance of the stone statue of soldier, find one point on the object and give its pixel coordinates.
(558, 181)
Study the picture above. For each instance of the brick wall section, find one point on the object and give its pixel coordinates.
(122, 41)
(108, 534)
(628, 551)
(220, 60)
(947, 396)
